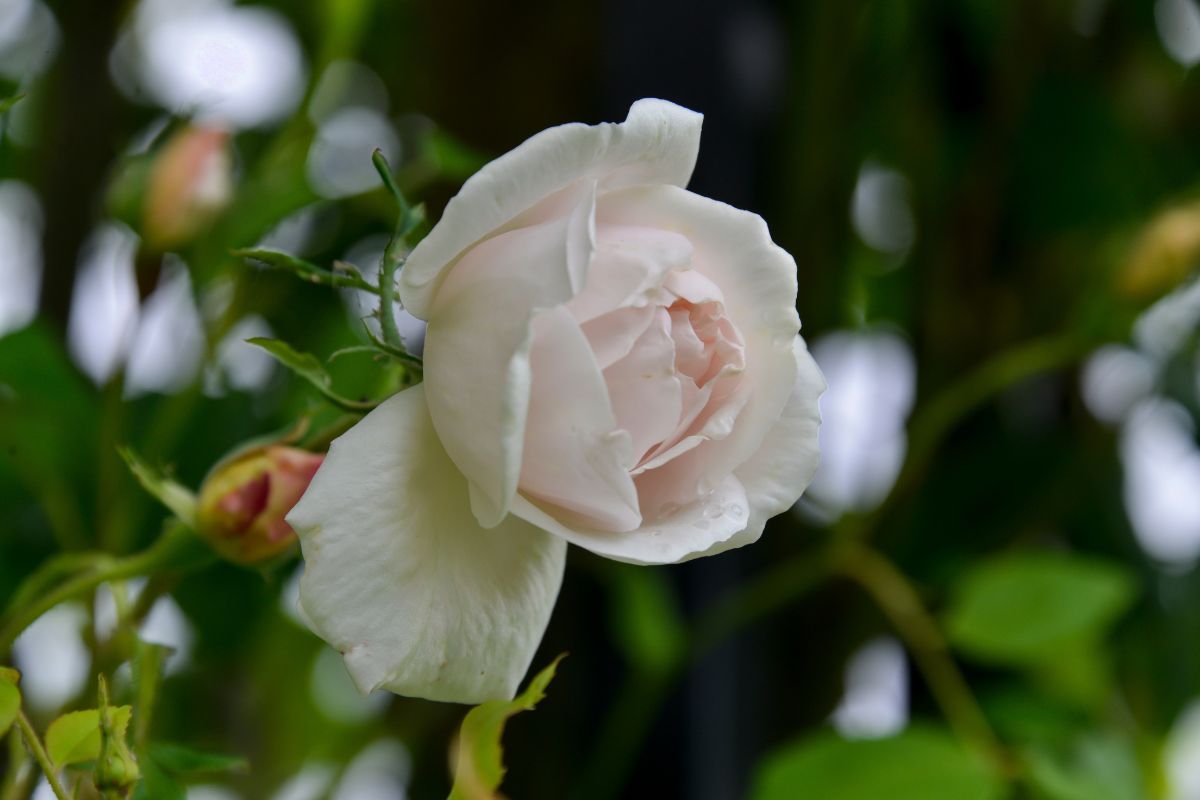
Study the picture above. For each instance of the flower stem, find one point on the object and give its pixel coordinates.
(34, 744)
(178, 548)
(899, 601)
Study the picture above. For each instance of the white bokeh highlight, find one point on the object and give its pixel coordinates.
(53, 658)
(875, 702)
(240, 65)
(104, 306)
(1178, 24)
(881, 210)
(872, 382)
(20, 255)
(1115, 379)
(168, 348)
(1162, 481)
(380, 772)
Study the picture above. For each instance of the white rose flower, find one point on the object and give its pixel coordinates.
(611, 361)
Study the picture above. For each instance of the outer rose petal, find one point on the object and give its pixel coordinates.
(402, 580)
(684, 535)
(477, 347)
(776, 476)
(657, 143)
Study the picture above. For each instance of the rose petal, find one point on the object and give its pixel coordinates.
(643, 388)
(612, 335)
(402, 580)
(656, 144)
(477, 347)
(629, 268)
(683, 533)
(734, 250)
(576, 455)
(776, 476)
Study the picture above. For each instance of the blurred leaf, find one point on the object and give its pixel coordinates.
(920, 764)
(1021, 713)
(75, 737)
(10, 703)
(175, 496)
(1023, 609)
(453, 159)
(180, 761)
(1098, 767)
(308, 367)
(645, 619)
(156, 784)
(7, 103)
(479, 755)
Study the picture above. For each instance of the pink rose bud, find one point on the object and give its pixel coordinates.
(190, 182)
(243, 504)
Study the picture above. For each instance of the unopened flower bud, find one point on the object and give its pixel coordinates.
(189, 183)
(243, 504)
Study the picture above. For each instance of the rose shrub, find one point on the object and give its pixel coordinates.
(610, 360)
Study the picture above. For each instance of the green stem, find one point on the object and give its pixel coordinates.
(393, 254)
(173, 551)
(765, 594)
(945, 411)
(899, 601)
(16, 777)
(625, 728)
(34, 744)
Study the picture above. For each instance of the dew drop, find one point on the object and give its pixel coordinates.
(667, 509)
(735, 510)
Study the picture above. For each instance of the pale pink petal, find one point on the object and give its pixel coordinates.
(477, 347)
(628, 269)
(656, 144)
(645, 392)
(612, 335)
(576, 456)
(680, 534)
(776, 476)
(734, 250)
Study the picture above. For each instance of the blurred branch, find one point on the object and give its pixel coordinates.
(177, 549)
(937, 418)
(898, 600)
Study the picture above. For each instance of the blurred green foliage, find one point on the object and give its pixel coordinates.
(1049, 158)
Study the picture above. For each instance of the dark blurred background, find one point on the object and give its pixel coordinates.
(986, 202)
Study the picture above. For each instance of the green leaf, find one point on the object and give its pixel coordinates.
(307, 366)
(451, 158)
(1023, 609)
(181, 761)
(479, 762)
(344, 275)
(645, 619)
(919, 764)
(175, 496)
(1097, 767)
(10, 704)
(7, 103)
(156, 784)
(75, 737)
